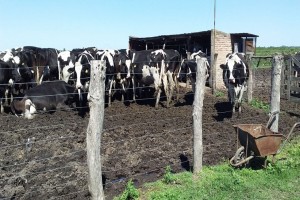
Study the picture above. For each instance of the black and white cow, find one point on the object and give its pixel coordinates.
(48, 96)
(109, 57)
(10, 77)
(235, 76)
(157, 68)
(66, 65)
(42, 61)
(82, 75)
(188, 68)
(5, 83)
(123, 73)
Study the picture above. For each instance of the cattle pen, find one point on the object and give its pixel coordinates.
(46, 157)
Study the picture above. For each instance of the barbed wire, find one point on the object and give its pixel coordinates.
(107, 129)
(41, 159)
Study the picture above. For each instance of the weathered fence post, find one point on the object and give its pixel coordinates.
(197, 114)
(250, 80)
(277, 64)
(94, 129)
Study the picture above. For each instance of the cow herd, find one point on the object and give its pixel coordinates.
(42, 79)
(32, 78)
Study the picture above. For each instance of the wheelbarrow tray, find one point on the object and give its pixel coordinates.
(259, 139)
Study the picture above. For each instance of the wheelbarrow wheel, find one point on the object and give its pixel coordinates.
(239, 155)
(240, 159)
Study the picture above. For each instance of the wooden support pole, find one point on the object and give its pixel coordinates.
(94, 129)
(201, 76)
(250, 80)
(277, 64)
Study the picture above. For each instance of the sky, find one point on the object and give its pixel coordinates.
(68, 24)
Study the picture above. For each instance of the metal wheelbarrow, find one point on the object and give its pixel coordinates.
(257, 140)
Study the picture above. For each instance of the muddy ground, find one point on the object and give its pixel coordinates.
(45, 158)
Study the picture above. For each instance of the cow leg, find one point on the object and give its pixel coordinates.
(29, 109)
(176, 87)
(240, 97)
(1, 106)
(123, 92)
(133, 89)
(157, 97)
(6, 96)
(172, 84)
(168, 91)
(109, 92)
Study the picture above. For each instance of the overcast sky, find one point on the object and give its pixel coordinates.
(68, 24)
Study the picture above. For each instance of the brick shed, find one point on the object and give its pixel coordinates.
(188, 43)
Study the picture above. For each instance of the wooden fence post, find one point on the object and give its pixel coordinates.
(197, 114)
(250, 80)
(277, 64)
(94, 129)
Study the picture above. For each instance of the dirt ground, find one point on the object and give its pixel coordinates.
(45, 158)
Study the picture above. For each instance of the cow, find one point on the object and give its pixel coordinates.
(43, 62)
(10, 78)
(5, 83)
(109, 57)
(123, 73)
(188, 68)
(66, 65)
(82, 75)
(158, 68)
(235, 77)
(48, 96)
(169, 74)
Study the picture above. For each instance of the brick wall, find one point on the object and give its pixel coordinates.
(223, 47)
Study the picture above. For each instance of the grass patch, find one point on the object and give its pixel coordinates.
(219, 94)
(278, 181)
(271, 51)
(130, 193)
(256, 103)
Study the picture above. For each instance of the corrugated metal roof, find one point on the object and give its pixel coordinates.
(244, 34)
(184, 35)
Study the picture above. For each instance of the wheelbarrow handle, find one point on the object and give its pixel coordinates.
(271, 118)
(241, 162)
(288, 136)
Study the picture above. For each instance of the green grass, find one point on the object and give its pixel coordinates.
(280, 180)
(271, 51)
(219, 94)
(256, 103)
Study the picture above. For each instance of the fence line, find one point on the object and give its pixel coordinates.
(42, 159)
(113, 128)
(168, 131)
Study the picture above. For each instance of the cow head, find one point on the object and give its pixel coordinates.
(66, 64)
(122, 66)
(158, 57)
(83, 70)
(17, 107)
(235, 69)
(108, 56)
(8, 56)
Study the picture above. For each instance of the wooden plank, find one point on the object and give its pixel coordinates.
(295, 99)
(261, 56)
(295, 79)
(295, 89)
(296, 62)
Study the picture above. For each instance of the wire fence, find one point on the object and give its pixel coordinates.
(46, 158)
